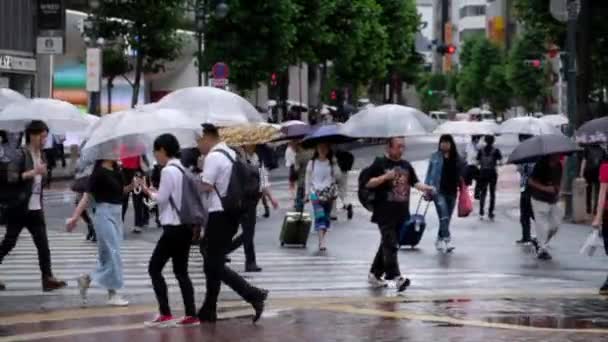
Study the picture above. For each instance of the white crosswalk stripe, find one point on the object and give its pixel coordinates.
(287, 271)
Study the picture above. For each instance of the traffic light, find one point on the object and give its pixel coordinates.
(273, 79)
(451, 49)
(535, 63)
(444, 49)
(333, 95)
(430, 92)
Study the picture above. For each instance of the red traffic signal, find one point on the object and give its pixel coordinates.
(451, 49)
(535, 63)
(444, 49)
(333, 95)
(273, 79)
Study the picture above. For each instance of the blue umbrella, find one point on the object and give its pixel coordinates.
(294, 132)
(325, 134)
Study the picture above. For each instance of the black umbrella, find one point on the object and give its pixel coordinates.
(325, 134)
(543, 145)
(593, 132)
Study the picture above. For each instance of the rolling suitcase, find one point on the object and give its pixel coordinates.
(412, 230)
(296, 228)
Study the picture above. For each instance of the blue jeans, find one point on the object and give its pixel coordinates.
(109, 229)
(444, 204)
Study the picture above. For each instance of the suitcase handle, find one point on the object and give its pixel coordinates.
(428, 203)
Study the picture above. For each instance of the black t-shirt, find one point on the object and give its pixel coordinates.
(450, 177)
(106, 186)
(392, 205)
(488, 159)
(546, 174)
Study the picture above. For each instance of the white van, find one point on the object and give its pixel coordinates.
(441, 117)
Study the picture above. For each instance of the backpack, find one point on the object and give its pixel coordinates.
(345, 160)
(192, 211)
(367, 197)
(267, 156)
(11, 165)
(487, 160)
(243, 187)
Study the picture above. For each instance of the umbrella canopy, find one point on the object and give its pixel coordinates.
(543, 145)
(8, 96)
(294, 130)
(251, 134)
(76, 138)
(556, 120)
(131, 133)
(388, 121)
(593, 132)
(527, 125)
(212, 105)
(325, 134)
(467, 128)
(60, 116)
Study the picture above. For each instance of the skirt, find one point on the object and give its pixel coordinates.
(322, 212)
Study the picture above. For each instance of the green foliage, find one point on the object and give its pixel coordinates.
(401, 21)
(528, 83)
(115, 63)
(499, 90)
(255, 39)
(432, 89)
(477, 58)
(312, 30)
(151, 31)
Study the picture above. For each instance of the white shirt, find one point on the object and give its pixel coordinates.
(471, 152)
(34, 203)
(319, 176)
(290, 157)
(216, 172)
(171, 181)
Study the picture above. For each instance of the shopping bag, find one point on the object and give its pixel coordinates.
(465, 203)
(593, 242)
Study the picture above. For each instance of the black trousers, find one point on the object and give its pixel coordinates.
(141, 212)
(526, 213)
(245, 239)
(386, 262)
(33, 221)
(219, 232)
(487, 179)
(173, 244)
(592, 193)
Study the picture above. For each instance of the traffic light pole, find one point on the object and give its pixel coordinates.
(572, 104)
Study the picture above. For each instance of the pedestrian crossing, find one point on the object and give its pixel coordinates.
(287, 272)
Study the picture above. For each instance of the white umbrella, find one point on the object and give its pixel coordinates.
(556, 120)
(293, 123)
(388, 121)
(132, 132)
(60, 116)
(527, 125)
(475, 111)
(467, 128)
(8, 96)
(76, 138)
(212, 105)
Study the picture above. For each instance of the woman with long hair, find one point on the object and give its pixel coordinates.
(106, 189)
(444, 173)
(322, 189)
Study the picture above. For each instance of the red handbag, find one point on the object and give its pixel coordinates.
(465, 203)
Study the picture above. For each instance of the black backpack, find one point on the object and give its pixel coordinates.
(243, 187)
(487, 160)
(12, 161)
(345, 160)
(367, 197)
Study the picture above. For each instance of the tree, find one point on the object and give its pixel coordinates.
(312, 30)
(115, 64)
(479, 55)
(149, 30)
(499, 90)
(527, 82)
(255, 40)
(432, 90)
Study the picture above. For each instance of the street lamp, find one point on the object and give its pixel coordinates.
(221, 11)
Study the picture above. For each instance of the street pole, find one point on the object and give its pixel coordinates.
(573, 8)
(200, 27)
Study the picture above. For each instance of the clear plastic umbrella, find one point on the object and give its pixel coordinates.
(60, 116)
(212, 105)
(8, 96)
(467, 128)
(132, 132)
(388, 121)
(527, 125)
(556, 120)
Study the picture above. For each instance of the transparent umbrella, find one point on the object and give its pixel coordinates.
(8, 96)
(132, 132)
(388, 121)
(212, 105)
(467, 128)
(556, 120)
(527, 125)
(60, 116)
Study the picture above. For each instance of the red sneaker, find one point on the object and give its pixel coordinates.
(161, 321)
(188, 321)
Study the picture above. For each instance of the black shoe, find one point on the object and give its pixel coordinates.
(334, 218)
(402, 284)
(491, 217)
(349, 211)
(266, 213)
(536, 246)
(253, 268)
(544, 255)
(604, 289)
(2, 286)
(227, 260)
(205, 317)
(258, 305)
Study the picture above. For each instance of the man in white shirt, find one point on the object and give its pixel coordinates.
(220, 229)
(25, 180)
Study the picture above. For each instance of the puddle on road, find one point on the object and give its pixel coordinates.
(550, 322)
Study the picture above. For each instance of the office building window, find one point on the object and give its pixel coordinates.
(472, 11)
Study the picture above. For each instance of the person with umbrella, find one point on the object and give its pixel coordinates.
(600, 220)
(488, 158)
(444, 174)
(321, 189)
(26, 179)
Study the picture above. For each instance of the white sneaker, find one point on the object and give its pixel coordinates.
(376, 282)
(447, 248)
(136, 230)
(402, 284)
(84, 282)
(440, 245)
(116, 300)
